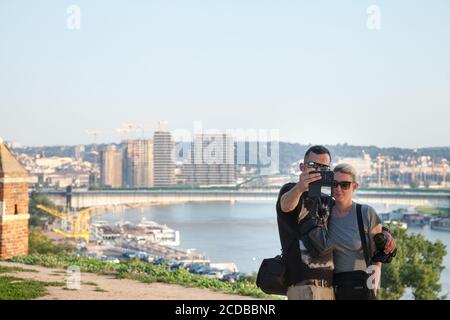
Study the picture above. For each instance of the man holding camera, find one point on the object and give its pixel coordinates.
(309, 259)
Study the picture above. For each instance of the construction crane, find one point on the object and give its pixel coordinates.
(158, 125)
(125, 130)
(94, 134)
(140, 129)
(78, 223)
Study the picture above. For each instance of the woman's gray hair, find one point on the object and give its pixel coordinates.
(346, 169)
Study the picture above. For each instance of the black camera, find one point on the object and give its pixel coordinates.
(380, 256)
(325, 185)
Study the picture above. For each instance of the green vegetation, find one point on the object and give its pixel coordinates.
(144, 272)
(40, 244)
(417, 266)
(48, 254)
(443, 212)
(37, 216)
(12, 288)
(7, 269)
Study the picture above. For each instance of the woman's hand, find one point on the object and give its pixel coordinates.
(391, 245)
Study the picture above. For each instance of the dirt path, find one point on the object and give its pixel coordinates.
(103, 287)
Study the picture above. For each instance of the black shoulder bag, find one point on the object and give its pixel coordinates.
(272, 273)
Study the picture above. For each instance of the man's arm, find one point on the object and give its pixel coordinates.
(289, 201)
(318, 242)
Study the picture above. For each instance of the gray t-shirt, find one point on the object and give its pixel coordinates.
(344, 235)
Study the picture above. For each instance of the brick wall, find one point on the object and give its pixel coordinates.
(13, 238)
(15, 195)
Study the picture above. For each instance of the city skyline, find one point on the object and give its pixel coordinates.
(233, 65)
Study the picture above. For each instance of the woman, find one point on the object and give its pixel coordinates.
(350, 274)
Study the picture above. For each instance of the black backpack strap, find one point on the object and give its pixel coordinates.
(363, 234)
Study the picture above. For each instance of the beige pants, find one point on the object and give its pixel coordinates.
(310, 293)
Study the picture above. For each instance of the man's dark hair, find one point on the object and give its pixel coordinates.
(317, 150)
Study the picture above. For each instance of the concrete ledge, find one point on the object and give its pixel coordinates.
(14, 217)
(14, 180)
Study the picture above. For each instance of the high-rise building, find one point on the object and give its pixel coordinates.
(163, 159)
(111, 162)
(138, 163)
(14, 214)
(78, 152)
(212, 161)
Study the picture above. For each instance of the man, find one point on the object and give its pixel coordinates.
(309, 275)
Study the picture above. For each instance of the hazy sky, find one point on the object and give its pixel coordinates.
(312, 69)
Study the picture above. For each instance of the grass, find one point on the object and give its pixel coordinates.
(145, 272)
(6, 269)
(100, 290)
(12, 288)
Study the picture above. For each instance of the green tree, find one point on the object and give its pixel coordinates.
(37, 215)
(39, 244)
(418, 266)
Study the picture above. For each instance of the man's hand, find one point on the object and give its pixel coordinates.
(290, 199)
(390, 244)
(306, 178)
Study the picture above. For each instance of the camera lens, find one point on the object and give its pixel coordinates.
(380, 241)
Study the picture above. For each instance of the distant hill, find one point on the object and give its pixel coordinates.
(293, 152)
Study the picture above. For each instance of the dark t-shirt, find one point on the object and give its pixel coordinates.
(301, 265)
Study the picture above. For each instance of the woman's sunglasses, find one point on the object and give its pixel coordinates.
(345, 185)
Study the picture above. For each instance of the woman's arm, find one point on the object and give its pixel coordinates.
(378, 229)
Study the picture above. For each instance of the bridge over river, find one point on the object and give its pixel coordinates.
(84, 199)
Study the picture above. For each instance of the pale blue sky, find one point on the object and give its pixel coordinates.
(297, 66)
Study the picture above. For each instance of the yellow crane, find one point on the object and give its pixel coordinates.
(77, 222)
